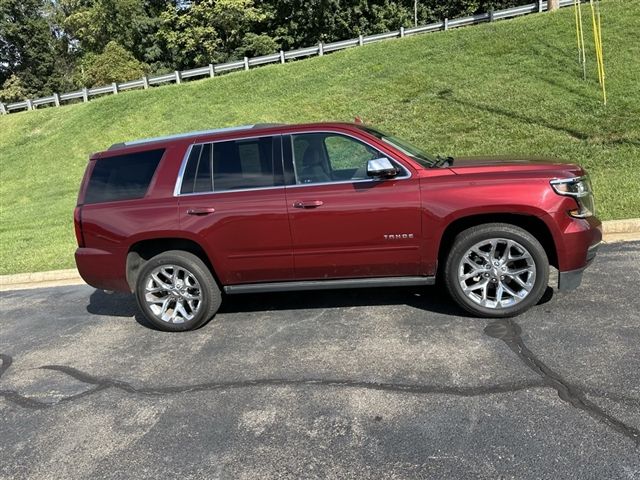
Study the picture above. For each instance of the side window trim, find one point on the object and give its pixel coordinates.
(291, 164)
(277, 139)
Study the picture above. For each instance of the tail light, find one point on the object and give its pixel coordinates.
(77, 224)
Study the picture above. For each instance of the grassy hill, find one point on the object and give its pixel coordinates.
(507, 87)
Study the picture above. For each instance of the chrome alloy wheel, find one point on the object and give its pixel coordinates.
(497, 273)
(173, 294)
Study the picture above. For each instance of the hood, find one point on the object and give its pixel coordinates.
(488, 164)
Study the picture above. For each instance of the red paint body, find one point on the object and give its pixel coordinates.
(258, 236)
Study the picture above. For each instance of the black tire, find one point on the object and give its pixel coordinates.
(211, 297)
(466, 239)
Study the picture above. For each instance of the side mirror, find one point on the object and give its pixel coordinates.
(381, 167)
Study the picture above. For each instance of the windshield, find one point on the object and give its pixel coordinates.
(405, 147)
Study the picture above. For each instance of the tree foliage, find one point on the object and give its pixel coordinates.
(27, 46)
(114, 64)
(208, 31)
(58, 45)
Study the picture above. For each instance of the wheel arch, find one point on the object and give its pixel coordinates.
(143, 250)
(532, 224)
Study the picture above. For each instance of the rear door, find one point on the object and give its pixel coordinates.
(343, 223)
(232, 198)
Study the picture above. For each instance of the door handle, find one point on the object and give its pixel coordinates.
(309, 204)
(200, 211)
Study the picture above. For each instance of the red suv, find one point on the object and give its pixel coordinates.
(263, 208)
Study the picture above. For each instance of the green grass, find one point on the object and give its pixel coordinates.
(511, 87)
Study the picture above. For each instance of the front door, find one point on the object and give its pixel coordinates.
(345, 224)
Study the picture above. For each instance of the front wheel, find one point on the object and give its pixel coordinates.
(496, 270)
(176, 291)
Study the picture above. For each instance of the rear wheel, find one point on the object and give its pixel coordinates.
(496, 270)
(177, 292)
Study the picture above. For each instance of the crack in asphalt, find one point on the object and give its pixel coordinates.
(103, 383)
(506, 330)
(509, 332)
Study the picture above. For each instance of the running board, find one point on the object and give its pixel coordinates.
(330, 284)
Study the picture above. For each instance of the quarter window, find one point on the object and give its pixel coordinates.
(122, 177)
(233, 165)
(330, 157)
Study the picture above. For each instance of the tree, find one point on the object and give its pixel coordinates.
(29, 49)
(13, 90)
(254, 45)
(210, 31)
(95, 23)
(114, 64)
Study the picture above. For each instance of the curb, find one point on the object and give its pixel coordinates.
(53, 278)
(627, 230)
(629, 225)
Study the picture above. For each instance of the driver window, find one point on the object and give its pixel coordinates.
(330, 157)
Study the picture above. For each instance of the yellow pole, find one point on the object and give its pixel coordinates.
(595, 38)
(604, 90)
(598, 45)
(583, 59)
(575, 11)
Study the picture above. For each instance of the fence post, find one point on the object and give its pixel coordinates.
(212, 70)
(114, 87)
(246, 63)
(178, 77)
(539, 6)
(3, 109)
(281, 56)
(320, 49)
(491, 15)
(360, 40)
(401, 32)
(446, 24)
(145, 82)
(29, 104)
(85, 95)
(56, 99)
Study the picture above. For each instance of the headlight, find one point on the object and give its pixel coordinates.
(580, 189)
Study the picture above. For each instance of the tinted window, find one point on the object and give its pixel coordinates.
(329, 157)
(122, 177)
(233, 165)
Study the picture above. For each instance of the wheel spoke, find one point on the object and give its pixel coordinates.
(524, 255)
(476, 286)
(181, 311)
(519, 271)
(494, 247)
(507, 249)
(165, 305)
(519, 281)
(469, 275)
(480, 253)
(509, 291)
(485, 287)
(155, 290)
(156, 300)
(163, 285)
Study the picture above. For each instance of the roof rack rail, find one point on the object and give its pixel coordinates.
(143, 141)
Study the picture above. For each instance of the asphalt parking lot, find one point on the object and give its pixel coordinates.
(395, 383)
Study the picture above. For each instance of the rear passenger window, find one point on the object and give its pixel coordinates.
(233, 165)
(122, 177)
